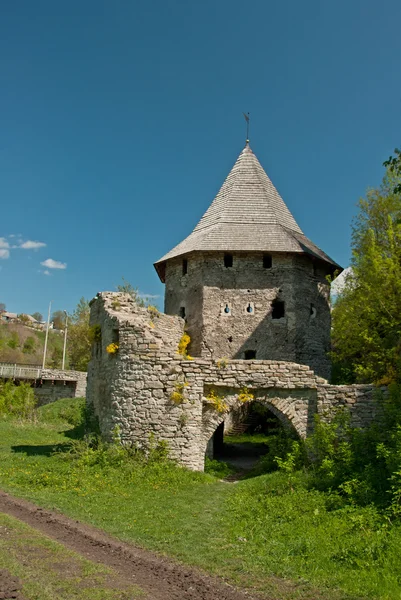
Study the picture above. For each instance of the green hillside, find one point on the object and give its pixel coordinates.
(24, 345)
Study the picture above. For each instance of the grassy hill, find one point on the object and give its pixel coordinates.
(24, 345)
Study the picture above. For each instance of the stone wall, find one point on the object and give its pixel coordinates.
(150, 391)
(55, 384)
(229, 310)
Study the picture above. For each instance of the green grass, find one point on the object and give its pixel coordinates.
(247, 438)
(48, 571)
(269, 532)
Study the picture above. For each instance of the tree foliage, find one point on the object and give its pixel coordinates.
(58, 319)
(128, 288)
(394, 166)
(38, 316)
(367, 315)
(79, 342)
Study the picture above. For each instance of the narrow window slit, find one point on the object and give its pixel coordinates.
(184, 266)
(278, 309)
(228, 260)
(267, 261)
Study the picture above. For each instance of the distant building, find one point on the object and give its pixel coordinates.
(8, 317)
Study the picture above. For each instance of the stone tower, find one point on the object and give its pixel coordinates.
(248, 282)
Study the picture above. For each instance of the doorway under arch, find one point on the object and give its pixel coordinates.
(271, 410)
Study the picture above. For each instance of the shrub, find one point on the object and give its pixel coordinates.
(16, 400)
(29, 345)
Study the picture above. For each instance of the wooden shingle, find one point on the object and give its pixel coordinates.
(248, 214)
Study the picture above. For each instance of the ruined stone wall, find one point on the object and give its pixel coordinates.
(150, 391)
(56, 384)
(229, 310)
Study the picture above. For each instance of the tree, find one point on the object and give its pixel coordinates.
(79, 342)
(38, 317)
(29, 345)
(56, 358)
(127, 288)
(394, 165)
(58, 318)
(367, 314)
(24, 319)
(2, 307)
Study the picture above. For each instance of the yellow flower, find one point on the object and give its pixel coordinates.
(112, 348)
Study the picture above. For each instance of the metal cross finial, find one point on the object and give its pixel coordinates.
(247, 126)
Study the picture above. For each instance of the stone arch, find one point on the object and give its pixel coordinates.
(293, 407)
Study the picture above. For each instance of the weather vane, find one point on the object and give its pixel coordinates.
(247, 126)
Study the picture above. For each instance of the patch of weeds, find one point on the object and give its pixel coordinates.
(218, 468)
(177, 396)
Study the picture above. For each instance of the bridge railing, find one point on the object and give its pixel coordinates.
(8, 371)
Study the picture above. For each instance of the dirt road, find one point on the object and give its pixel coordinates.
(159, 577)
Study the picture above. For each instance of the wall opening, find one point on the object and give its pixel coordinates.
(267, 261)
(182, 312)
(184, 266)
(242, 440)
(312, 311)
(250, 309)
(228, 260)
(278, 309)
(226, 309)
(250, 354)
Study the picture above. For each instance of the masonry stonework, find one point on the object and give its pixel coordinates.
(55, 384)
(228, 311)
(133, 388)
(251, 290)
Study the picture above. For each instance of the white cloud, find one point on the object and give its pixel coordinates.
(53, 264)
(148, 296)
(31, 245)
(339, 283)
(4, 253)
(4, 243)
(46, 272)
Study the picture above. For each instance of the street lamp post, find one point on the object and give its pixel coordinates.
(46, 337)
(65, 338)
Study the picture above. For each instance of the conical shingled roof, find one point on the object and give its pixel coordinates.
(248, 214)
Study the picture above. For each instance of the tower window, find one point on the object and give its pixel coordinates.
(182, 312)
(250, 354)
(250, 309)
(228, 260)
(184, 266)
(267, 261)
(227, 309)
(278, 309)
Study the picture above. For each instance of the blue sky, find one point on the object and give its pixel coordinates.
(120, 121)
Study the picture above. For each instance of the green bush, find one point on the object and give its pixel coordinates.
(218, 468)
(29, 345)
(16, 400)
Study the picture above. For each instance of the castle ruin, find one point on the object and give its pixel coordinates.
(251, 292)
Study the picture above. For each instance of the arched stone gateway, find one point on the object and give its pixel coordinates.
(295, 409)
(153, 392)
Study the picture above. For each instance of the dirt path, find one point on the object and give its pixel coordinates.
(159, 577)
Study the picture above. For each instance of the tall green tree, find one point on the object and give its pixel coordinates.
(367, 315)
(58, 319)
(79, 342)
(394, 165)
